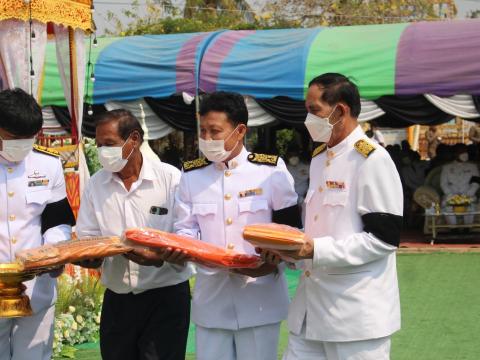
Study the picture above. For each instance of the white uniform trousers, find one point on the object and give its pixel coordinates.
(300, 348)
(254, 343)
(28, 338)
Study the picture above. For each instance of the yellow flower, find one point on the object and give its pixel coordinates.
(71, 309)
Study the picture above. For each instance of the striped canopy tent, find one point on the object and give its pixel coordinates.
(425, 72)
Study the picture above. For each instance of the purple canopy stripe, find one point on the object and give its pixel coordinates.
(217, 52)
(186, 63)
(440, 58)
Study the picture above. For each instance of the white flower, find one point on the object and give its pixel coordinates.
(79, 319)
(71, 309)
(74, 326)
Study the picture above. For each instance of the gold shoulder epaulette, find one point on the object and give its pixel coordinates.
(195, 164)
(364, 147)
(45, 150)
(263, 159)
(318, 150)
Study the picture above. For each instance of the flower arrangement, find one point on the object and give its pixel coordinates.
(77, 312)
(459, 200)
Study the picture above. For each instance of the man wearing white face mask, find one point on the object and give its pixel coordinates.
(347, 302)
(237, 313)
(146, 307)
(456, 179)
(34, 211)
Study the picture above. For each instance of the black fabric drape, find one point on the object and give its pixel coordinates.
(88, 124)
(403, 111)
(285, 109)
(174, 112)
(476, 101)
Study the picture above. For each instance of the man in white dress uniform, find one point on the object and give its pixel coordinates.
(347, 302)
(34, 211)
(237, 313)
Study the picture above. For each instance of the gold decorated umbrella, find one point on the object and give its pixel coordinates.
(72, 13)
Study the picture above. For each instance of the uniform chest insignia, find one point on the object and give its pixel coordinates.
(42, 182)
(318, 150)
(46, 150)
(195, 164)
(251, 192)
(36, 175)
(263, 159)
(364, 147)
(335, 184)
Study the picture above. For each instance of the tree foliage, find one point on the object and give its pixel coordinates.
(354, 12)
(162, 17)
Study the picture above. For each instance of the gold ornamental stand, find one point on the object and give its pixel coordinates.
(13, 300)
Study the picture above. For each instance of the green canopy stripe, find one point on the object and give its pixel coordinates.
(52, 90)
(367, 54)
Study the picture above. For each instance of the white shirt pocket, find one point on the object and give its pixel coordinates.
(37, 200)
(204, 209)
(335, 198)
(39, 197)
(252, 205)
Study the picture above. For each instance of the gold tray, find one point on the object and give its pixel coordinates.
(13, 300)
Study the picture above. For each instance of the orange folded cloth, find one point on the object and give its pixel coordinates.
(274, 236)
(71, 251)
(198, 251)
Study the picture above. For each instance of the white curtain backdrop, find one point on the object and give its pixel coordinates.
(153, 126)
(15, 54)
(62, 42)
(457, 105)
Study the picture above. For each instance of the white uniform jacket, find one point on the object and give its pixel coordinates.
(349, 291)
(215, 203)
(26, 188)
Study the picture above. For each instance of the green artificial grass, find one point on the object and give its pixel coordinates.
(440, 296)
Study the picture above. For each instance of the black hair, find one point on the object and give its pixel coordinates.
(338, 88)
(127, 122)
(20, 113)
(232, 104)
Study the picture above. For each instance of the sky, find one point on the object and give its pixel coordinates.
(103, 6)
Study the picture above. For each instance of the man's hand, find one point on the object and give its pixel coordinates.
(263, 270)
(90, 263)
(275, 256)
(177, 257)
(151, 257)
(56, 272)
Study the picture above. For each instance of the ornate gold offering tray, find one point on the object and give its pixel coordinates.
(13, 300)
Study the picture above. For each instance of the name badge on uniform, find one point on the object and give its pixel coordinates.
(335, 184)
(43, 182)
(251, 192)
(156, 210)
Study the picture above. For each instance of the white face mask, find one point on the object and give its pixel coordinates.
(294, 160)
(463, 157)
(17, 149)
(214, 150)
(320, 128)
(111, 157)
